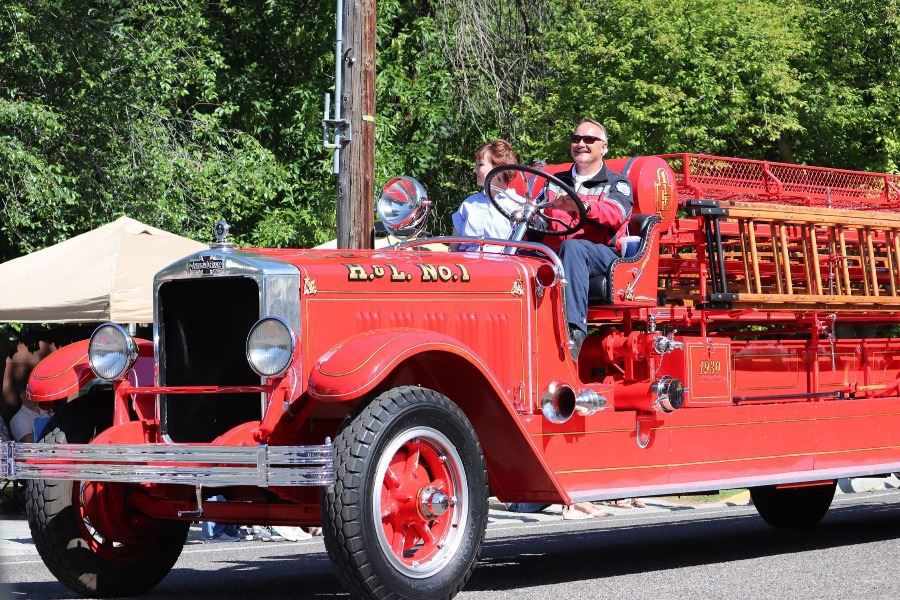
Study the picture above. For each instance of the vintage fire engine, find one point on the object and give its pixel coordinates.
(382, 394)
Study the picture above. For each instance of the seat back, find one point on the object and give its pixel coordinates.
(639, 225)
(652, 184)
(619, 284)
(632, 281)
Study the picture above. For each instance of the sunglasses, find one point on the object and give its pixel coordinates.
(587, 139)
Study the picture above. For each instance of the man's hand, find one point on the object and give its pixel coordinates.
(564, 201)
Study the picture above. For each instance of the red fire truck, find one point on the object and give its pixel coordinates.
(748, 343)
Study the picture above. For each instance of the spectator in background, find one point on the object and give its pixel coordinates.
(23, 422)
(220, 532)
(18, 365)
(4, 431)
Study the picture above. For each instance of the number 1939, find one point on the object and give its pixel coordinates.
(710, 367)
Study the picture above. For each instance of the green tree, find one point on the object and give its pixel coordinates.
(113, 107)
(716, 76)
(179, 112)
(852, 92)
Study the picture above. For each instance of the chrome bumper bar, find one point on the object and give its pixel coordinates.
(187, 464)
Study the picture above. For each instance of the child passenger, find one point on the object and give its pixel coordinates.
(476, 216)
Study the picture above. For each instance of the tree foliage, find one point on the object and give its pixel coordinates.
(173, 112)
(853, 88)
(714, 76)
(179, 112)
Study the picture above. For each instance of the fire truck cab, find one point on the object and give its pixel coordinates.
(747, 343)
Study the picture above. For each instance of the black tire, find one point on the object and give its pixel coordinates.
(407, 439)
(793, 508)
(127, 561)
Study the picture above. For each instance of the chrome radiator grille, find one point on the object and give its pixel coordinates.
(203, 327)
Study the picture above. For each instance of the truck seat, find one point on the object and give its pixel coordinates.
(600, 286)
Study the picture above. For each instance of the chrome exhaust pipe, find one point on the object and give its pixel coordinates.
(559, 402)
(588, 402)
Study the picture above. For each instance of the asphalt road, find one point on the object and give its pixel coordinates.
(656, 553)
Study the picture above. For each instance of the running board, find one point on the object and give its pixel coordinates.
(185, 464)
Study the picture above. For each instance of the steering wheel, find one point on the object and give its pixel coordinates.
(568, 211)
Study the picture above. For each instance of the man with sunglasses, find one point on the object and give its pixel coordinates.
(608, 199)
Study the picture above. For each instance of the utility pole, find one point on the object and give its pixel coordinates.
(354, 122)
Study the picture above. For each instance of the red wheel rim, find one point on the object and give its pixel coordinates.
(112, 531)
(421, 501)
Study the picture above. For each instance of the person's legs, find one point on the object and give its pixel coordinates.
(211, 529)
(581, 510)
(582, 260)
(526, 507)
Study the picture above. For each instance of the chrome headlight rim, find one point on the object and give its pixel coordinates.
(129, 352)
(292, 348)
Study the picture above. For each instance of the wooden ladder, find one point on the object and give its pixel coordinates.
(782, 256)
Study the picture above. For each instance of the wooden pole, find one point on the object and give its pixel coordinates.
(874, 271)
(845, 267)
(786, 259)
(776, 257)
(744, 254)
(754, 256)
(891, 265)
(814, 252)
(356, 180)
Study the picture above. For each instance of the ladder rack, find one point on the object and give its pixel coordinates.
(784, 256)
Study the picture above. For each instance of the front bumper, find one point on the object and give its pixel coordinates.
(186, 464)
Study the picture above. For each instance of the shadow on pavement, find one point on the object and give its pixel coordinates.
(510, 563)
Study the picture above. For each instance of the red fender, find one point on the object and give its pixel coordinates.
(356, 365)
(64, 373)
(131, 432)
(135, 432)
(360, 363)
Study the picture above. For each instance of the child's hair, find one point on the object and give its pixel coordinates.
(499, 152)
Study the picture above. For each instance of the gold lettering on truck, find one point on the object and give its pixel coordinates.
(398, 275)
(463, 273)
(430, 273)
(357, 273)
(710, 367)
(663, 192)
(445, 273)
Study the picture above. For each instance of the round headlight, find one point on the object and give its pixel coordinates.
(112, 351)
(270, 347)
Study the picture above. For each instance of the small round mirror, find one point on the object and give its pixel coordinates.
(403, 207)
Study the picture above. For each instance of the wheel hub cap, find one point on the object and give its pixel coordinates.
(433, 502)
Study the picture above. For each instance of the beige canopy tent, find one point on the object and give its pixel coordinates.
(102, 275)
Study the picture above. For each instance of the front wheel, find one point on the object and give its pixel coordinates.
(86, 533)
(407, 514)
(793, 508)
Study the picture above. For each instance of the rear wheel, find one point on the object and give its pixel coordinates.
(88, 537)
(792, 508)
(407, 514)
